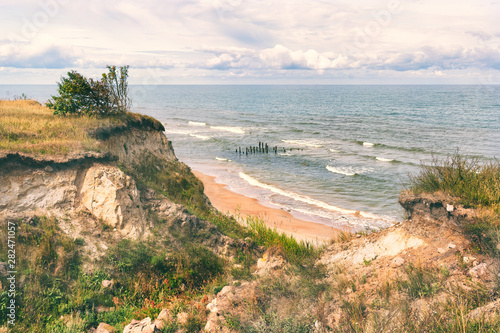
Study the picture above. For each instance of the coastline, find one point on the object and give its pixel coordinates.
(240, 207)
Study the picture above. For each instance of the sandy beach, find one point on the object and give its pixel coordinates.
(241, 206)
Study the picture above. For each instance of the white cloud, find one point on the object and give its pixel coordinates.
(282, 38)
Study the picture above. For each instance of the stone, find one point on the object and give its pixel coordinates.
(182, 318)
(163, 319)
(267, 264)
(396, 262)
(108, 283)
(450, 208)
(441, 250)
(212, 306)
(48, 168)
(479, 270)
(105, 328)
(143, 326)
(104, 192)
(468, 259)
(451, 246)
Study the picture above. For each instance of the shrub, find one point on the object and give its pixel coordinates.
(80, 95)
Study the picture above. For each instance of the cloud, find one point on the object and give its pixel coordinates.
(23, 55)
(426, 57)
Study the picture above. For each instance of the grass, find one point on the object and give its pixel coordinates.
(475, 185)
(27, 126)
(54, 294)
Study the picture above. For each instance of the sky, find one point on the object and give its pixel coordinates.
(253, 42)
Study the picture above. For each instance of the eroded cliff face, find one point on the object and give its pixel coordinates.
(92, 182)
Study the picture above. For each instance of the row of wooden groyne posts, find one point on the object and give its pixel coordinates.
(263, 148)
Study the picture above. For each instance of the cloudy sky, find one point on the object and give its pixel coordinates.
(253, 42)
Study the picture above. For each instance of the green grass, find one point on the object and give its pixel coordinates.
(475, 185)
(52, 284)
(472, 184)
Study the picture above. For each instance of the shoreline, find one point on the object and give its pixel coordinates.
(240, 207)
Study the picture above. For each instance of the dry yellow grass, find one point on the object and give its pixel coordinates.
(27, 126)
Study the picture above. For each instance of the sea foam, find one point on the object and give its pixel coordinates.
(306, 143)
(194, 123)
(368, 144)
(201, 137)
(236, 130)
(341, 171)
(383, 159)
(302, 198)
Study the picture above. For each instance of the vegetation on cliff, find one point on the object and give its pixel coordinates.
(86, 96)
(27, 126)
(470, 184)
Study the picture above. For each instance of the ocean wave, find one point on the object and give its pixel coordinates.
(336, 151)
(183, 132)
(201, 137)
(306, 143)
(236, 130)
(383, 159)
(305, 199)
(342, 171)
(194, 123)
(285, 154)
(222, 159)
(381, 145)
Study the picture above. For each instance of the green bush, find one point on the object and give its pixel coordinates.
(80, 95)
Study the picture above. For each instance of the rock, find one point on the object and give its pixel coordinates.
(486, 312)
(104, 192)
(396, 262)
(182, 318)
(163, 319)
(468, 259)
(105, 328)
(48, 168)
(479, 270)
(451, 246)
(450, 208)
(3, 268)
(441, 250)
(212, 306)
(143, 326)
(267, 264)
(108, 283)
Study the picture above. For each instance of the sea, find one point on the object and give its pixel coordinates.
(337, 155)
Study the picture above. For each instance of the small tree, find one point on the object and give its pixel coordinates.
(79, 95)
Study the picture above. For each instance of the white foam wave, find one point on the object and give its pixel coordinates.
(341, 171)
(368, 144)
(305, 199)
(307, 143)
(335, 150)
(383, 159)
(222, 159)
(195, 123)
(201, 137)
(285, 154)
(171, 131)
(236, 130)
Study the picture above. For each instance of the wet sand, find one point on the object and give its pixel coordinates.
(241, 206)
